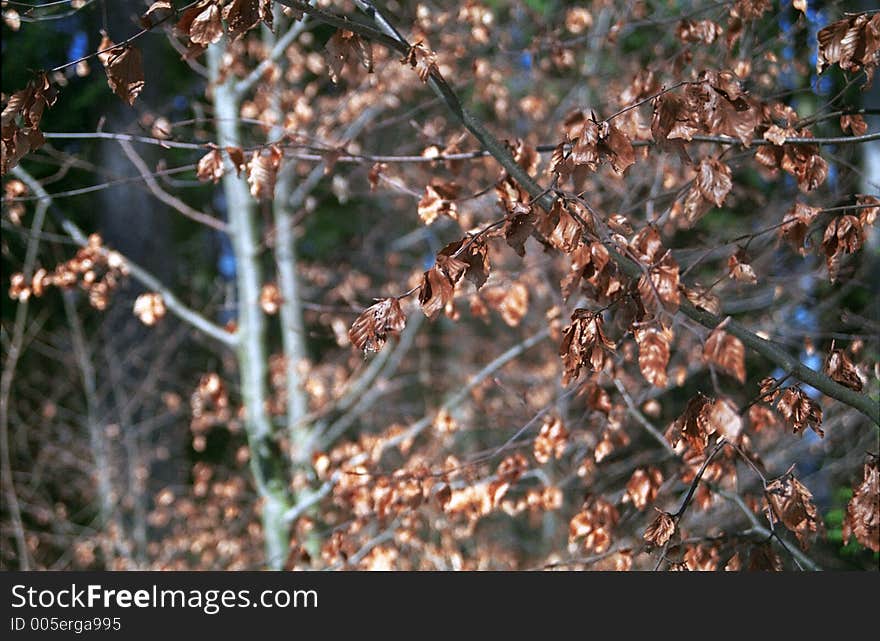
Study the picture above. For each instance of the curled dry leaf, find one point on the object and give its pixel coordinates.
(658, 289)
(551, 440)
(843, 235)
(653, 345)
(422, 59)
(694, 425)
(210, 166)
(124, 67)
(714, 181)
(661, 529)
(854, 124)
(511, 301)
(344, 46)
(201, 23)
(370, 330)
(643, 486)
(438, 283)
(862, 518)
(796, 224)
(157, 13)
(842, 370)
(270, 298)
(727, 353)
(792, 503)
(799, 410)
(584, 344)
(263, 170)
(149, 308)
(739, 268)
(438, 199)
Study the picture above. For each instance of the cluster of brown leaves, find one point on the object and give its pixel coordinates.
(150, 308)
(551, 440)
(800, 160)
(594, 524)
(202, 25)
(710, 187)
(209, 405)
(862, 518)
(792, 503)
(703, 417)
(853, 43)
(466, 257)
(97, 270)
(21, 120)
(715, 104)
(661, 529)
(841, 369)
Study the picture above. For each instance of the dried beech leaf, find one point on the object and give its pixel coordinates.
(727, 353)
(370, 330)
(799, 410)
(653, 345)
(792, 503)
(124, 67)
(862, 518)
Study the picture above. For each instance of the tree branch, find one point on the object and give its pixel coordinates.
(174, 304)
(499, 151)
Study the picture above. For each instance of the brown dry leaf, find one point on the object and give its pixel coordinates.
(763, 558)
(739, 268)
(870, 208)
(210, 166)
(567, 233)
(422, 59)
(438, 283)
(643, 486)
(853, 43)
(584, 344)
(799, 410)
(149, 308)
(661, 529)
(701, 558)
(862, 518)
(370, 330)
(727, 353)
(206, 28)
(694, 425)
(263, 170)
(854, 124)
(157, 13)
(792, 503)
(125, 69)
(714, 180)
(616, 146)
(438, 199)
(659, 287)
(653, 345)
(551, 440)
(236, 155)
(241, 16)
(511, 301)
(475, 254)
(724, 418)
(343, 46)
(842, 370)
(647, 246)
(843, 235)
(270, 298)
(796, 224)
